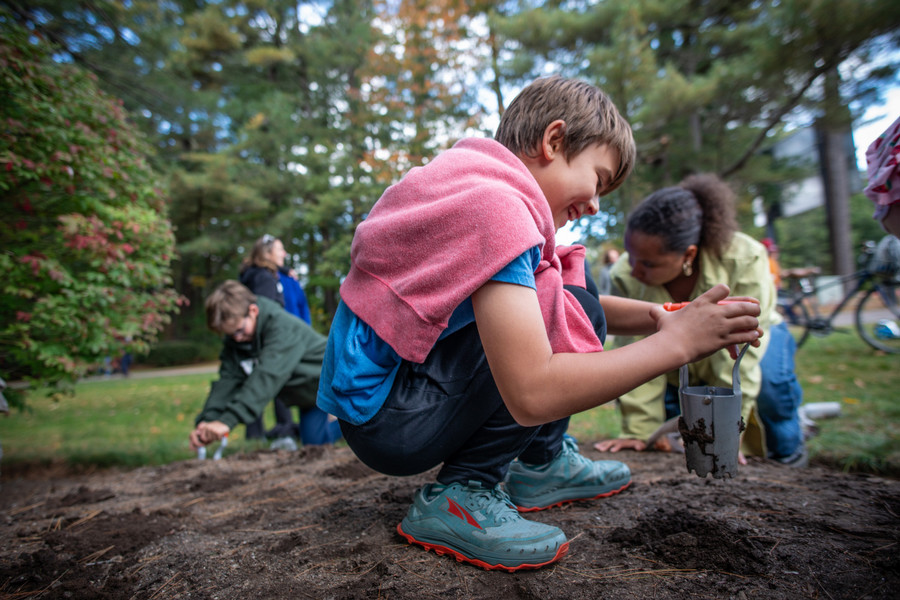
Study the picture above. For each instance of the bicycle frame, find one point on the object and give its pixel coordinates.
(876, 290)
(810, 319)
(861, 278)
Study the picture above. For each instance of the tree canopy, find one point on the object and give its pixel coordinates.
(291, 118)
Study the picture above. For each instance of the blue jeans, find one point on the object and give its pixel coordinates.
(780, 395)
(315, 430)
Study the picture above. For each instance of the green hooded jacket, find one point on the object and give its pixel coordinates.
(283, 360)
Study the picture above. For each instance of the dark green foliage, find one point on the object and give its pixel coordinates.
(168, 353)
(709, 85)
(291, 118)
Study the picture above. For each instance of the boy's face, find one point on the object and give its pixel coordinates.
(572, 187)
(242, 330)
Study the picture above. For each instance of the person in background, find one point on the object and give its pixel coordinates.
(882, 157)
(260, 273)
(259, 270)
(295, 301)
(266, 353)
(680, 241)
(126, 358)
(316, 426)
(774, 264)
(125, 363)
(604, 286)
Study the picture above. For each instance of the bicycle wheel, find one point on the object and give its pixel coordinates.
(796, 317)
(878, 317)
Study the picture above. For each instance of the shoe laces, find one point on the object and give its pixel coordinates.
(491, 501)
(571, 453)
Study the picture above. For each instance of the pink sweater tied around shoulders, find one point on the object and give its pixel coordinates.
(444, 230)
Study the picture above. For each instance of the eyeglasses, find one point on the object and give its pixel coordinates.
(242, 331)
(268, 239)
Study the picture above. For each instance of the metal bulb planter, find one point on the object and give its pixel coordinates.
(711, 424)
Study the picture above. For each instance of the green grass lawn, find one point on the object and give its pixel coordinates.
(131, 422)
(114, 422)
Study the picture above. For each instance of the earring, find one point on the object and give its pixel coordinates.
(687, 269)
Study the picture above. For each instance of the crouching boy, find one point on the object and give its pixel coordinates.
(267, 353)
(465, 337)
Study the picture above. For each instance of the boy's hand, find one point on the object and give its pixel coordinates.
(735, 350)
(704, 326)
(208, 432)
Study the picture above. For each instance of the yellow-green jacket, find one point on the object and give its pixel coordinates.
(744, 267)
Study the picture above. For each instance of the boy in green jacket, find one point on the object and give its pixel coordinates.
(268, 353)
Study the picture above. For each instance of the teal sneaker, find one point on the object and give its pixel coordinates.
(567, 478)
(480, 526)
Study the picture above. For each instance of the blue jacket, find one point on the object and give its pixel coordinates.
(294, 298)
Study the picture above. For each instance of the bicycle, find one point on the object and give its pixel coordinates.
(877, 316)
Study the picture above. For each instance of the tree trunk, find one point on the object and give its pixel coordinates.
(834, 129)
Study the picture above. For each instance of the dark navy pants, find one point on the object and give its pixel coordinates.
(447, 411)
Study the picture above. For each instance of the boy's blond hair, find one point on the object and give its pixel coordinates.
(590, 116)
(228, 303)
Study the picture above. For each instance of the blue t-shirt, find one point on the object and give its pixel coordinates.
(361, 367)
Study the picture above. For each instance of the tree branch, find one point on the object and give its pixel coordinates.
(774, 119)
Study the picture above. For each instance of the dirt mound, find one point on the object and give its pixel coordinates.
(319, 524)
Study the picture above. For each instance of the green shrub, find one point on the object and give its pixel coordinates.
(86, 245)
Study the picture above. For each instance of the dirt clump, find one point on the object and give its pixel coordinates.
(319, 524)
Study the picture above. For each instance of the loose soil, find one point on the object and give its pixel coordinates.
(319, 524)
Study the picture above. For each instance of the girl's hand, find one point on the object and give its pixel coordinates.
(620, 444)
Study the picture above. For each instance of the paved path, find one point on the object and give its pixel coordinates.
(848, 317)
(144, 373)
(212, 367)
